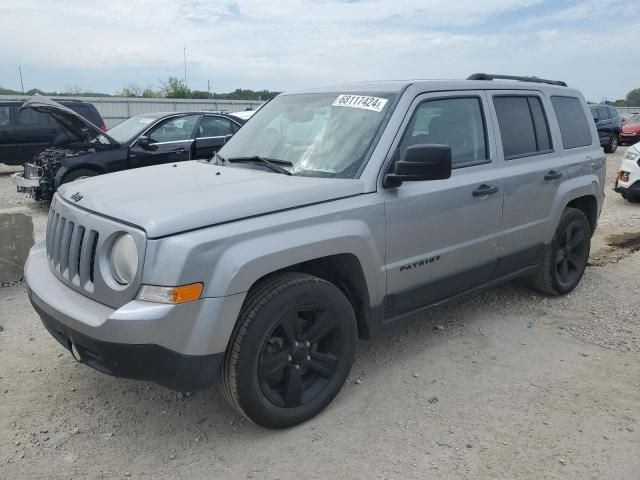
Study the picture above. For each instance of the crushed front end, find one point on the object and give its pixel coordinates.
(38, 177)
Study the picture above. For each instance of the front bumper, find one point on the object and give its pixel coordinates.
(178, 346)
(141, 362)
(24, 184)
(631, 189)
(629, 138)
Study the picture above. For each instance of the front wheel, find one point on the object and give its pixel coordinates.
(291, 351)
(565, 259)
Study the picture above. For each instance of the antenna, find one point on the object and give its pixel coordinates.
(21, 84)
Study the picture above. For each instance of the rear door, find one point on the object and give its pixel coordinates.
(34, 131)
(532, 170)
(211, 134)
(9, 153)
(442, 235)
(171, 140)
(605, 125)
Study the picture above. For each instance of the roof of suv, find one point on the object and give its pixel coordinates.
(435, 85)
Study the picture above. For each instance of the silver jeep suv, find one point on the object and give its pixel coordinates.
(331, 215)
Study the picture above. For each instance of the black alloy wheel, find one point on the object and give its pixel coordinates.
(572, 253)
(291, 350)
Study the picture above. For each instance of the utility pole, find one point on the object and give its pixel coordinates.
(185, 72)
(209, 89)
(21, 83)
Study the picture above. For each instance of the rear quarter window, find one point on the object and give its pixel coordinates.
(574, 126)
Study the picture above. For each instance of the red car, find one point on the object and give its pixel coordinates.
(630, 132)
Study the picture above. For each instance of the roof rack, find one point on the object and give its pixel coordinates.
(488, 76)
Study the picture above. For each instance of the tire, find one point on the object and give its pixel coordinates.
(612, 146)
(630, 198)
(565, 259)
(291, 351)
(78, 174)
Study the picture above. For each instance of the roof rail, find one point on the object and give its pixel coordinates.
(487, 76)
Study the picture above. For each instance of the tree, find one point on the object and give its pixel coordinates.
(633, 98)
(174, 88)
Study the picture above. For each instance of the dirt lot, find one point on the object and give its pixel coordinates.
(506, 385)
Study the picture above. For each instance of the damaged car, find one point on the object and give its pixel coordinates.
(140, 141)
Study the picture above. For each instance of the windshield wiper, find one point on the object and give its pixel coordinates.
(217, 156)
(271, 163)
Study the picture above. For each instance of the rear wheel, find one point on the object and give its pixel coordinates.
(613, 144)
(291, 352)
(565, 259)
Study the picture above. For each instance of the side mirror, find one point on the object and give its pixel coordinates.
(145, 143)
(421, 162)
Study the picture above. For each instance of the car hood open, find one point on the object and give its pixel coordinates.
(75, 123)
(173, 198)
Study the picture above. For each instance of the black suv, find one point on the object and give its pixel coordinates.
(23, 133)
(609, 124)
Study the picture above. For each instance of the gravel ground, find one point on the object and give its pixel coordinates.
(507, 384)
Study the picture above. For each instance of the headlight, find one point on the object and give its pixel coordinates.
(124, 259)
(632, 154)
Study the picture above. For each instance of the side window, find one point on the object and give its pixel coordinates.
(573, 122)
(5, 116)
(523, 126)
(214, 127)
(613, 112)
(31, 117)
(178, 129)
(603, 113)
(457, 122)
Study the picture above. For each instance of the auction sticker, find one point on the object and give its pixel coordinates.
(360, 101)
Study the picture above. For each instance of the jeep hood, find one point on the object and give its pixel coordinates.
(80, 127)
(172, 198)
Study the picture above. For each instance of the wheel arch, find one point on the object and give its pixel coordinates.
(583, 193)
(345, 272)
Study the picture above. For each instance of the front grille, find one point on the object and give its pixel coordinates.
(78, 243)
(71, 250)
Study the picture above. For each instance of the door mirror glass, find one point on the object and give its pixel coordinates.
(421, 162)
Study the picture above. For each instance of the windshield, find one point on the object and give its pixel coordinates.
(633, 120)
(129, 129)
(321, 134)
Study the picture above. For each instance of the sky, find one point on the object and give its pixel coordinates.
(282, 45)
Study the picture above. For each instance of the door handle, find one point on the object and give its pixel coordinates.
(485, 189)
(178, 150)
(552, 175)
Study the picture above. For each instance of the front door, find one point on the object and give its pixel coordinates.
(169, 141)
(442, 235)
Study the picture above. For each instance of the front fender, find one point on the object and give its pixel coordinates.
(230, 258)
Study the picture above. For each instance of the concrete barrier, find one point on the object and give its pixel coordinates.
(16, 238)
